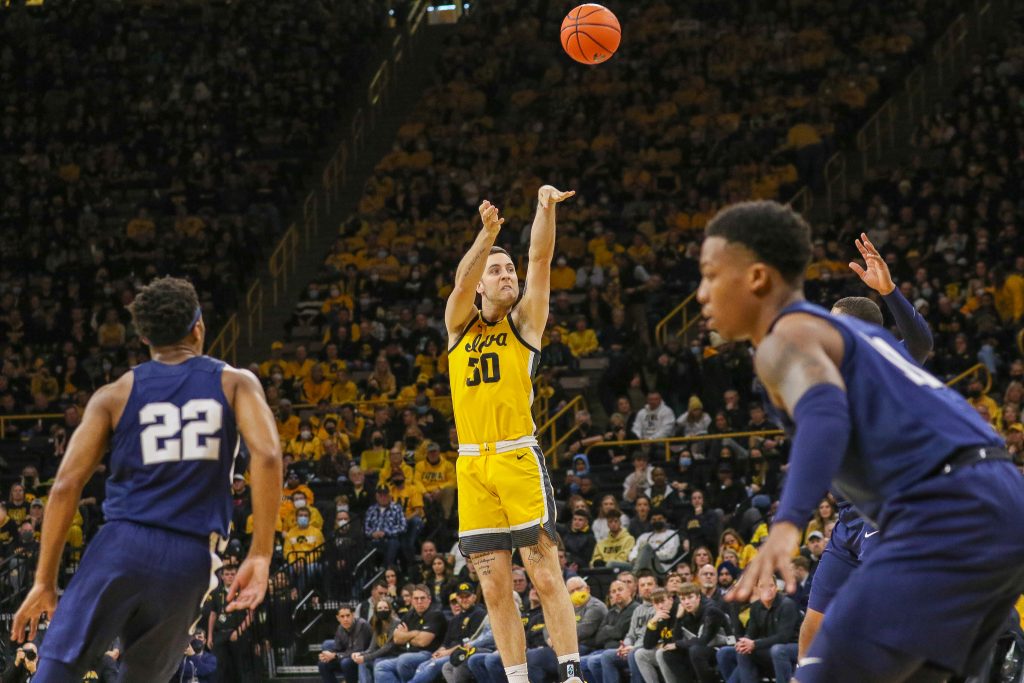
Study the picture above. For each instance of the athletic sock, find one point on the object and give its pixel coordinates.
(569, 667)
(517, 674)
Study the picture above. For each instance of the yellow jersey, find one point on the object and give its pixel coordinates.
(491, 372)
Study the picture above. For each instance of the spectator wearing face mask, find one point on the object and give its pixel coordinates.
(306, 446)
(373, 459)
(299, 502)
(303, 537)
(199, 665)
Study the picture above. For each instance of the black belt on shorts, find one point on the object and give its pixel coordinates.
(971, 455)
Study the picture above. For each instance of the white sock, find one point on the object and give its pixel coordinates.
(517, 674)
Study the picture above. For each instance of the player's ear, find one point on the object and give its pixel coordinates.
(758, 278)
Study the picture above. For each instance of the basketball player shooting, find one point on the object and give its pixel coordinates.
(173, 426)
(505, 496)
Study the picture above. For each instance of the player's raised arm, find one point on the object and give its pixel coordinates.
(532, 311)
(257, 426)
(460, 307)
(795, 363)
(917, 336)
(82, 457)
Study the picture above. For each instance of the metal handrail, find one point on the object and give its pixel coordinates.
(552, 422)
(668, 441)
(803, 200)
(835, 180)
(225, 345)
(660, 333)
(552, 451)
(254, 310)
(973, 370)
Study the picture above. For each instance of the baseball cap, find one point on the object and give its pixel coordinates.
(815, 534)
(1016, 427)
(239, 476)
(465, 587)
(36, 503)
(432, 446)
(276, 345)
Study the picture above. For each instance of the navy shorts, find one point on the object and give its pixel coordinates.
(846, 549)
(138, 583)
(943, 575)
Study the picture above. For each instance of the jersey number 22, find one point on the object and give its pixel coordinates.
(164, 439)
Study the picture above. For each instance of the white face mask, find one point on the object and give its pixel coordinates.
(300, 503)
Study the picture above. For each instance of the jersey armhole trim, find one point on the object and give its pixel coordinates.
(462, 334)
(515, 331)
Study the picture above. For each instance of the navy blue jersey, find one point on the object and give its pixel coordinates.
(905, 422)
(173, 450)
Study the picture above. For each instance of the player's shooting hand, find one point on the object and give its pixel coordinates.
(250, 584)
(41, 599)
(489, 215)
(548, 195)
(875, 273)
(775, 554)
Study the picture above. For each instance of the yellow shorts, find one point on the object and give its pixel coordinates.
(505, 500)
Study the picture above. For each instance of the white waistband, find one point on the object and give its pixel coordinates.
(493, 448)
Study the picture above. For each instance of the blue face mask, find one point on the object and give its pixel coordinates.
(685, 462)
(303, 522)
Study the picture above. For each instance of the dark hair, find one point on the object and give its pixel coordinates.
(860, 307)
(777, 235)
(164, 310)
(499, 250)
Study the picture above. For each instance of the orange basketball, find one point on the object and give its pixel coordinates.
(591, 33)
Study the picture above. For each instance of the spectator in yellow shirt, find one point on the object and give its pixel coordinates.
(329, 432)
(977, 397)
(351, 422)
(276, 351)
(142, 227)
(396, 463)
(287, 421)
(613, 550)
(437, 477)
(563, 276)
(302, 539)
(344, 390)
(299, 503)
(299, 368)
(409, 494)
(316, 387)
(373, 459)
(305, 446)
(582, 341)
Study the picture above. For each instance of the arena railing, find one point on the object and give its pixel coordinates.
(548, 432)
(670, 441)
(323, 200)
(978, 369)
(881, 132)
(682, 312)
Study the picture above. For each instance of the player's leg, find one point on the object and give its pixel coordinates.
(528, 498)
(835, 567)
(89, 616)
(484, 536)
(154, 637)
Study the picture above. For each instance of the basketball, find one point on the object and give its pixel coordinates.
(590, 33)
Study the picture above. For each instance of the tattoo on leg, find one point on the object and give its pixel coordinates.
(535, 555)
(483, 563)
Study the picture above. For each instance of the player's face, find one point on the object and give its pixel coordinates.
(729, 279)
(499, 284)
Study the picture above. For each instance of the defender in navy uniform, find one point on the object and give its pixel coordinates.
(908, 452)
(173, 425)
(852, 537)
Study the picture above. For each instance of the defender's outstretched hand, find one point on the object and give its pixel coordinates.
(489, 215)
(549, 194)
(41, 599)
(775, 554)
(875, 274)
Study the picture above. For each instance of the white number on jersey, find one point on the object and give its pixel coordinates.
(164, 439)
(918, 376)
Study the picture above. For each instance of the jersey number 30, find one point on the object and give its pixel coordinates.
(485, 369)
(164, 439)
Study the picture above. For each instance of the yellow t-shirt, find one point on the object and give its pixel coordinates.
(435, 477)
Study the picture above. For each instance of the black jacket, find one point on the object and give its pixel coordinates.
(462, 627)
(773, 625)
(702, 627)
(356, 640)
